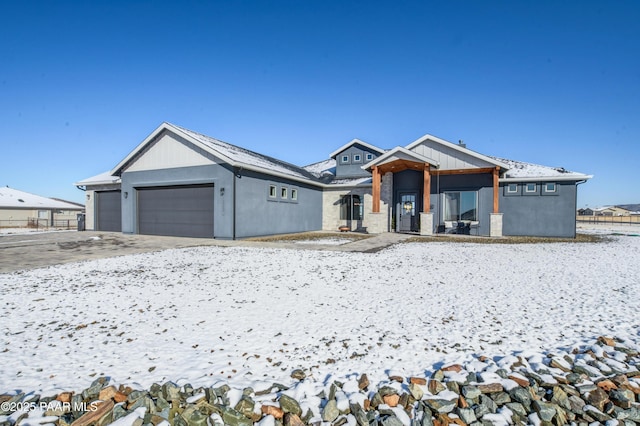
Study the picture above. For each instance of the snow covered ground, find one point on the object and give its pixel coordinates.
(244, 315)
(19, 231)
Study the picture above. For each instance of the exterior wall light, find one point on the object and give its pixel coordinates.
(222, 191)
(126, 194)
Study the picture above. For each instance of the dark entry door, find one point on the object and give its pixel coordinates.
(407, 212)
(181, 211)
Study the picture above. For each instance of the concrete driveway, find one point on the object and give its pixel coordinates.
(37, 250)
(29, 251)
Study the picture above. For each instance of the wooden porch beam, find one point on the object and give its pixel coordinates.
(426, 189)
(375, 191)
(496, 187)
(465, 171)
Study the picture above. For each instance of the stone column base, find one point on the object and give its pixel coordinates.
(377, 223)
(426, 223)
(495, 225)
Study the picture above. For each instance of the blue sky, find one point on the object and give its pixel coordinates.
(554, 83)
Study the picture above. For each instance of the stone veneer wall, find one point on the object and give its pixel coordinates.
(373, 222)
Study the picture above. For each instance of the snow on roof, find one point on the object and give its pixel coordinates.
(354, 142)
(521, 170)
(102, 178)
(322, 167)
(351, 181)
(247, 157)
(13, 198)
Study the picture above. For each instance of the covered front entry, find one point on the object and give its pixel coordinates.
(180, 211)
(428, 198)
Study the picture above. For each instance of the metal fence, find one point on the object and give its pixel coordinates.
(35, 223)
(628, 220)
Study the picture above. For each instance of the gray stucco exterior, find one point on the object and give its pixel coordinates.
(219, 175)
(255, 213)
(540, 214)
(259, 214)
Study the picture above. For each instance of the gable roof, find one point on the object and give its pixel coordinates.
(522, 172)
(356, 142)
(457, 147)
(104, 178)
(228, 153)
(16, 199)
(402, 154)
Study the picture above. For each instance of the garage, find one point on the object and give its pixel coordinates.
(108, 211)
(180, 211)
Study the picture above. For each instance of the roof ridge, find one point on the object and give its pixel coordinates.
(293, 167)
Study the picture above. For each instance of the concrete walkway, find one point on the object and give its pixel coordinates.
(374, 244)
(37, 250)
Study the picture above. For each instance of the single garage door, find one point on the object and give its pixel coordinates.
(108, 211)
(181, 211)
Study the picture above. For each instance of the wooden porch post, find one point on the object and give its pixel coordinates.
(376, 190)
(495, 189)
(426, 189)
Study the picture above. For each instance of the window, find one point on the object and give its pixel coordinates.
(272, 191)
(356, 158)
(461, 205)
(549, 187)
(283, 192)
(351, 207)
(294, 194)
(369, 157)
(531, 187)
(345, 159)
(512, 188)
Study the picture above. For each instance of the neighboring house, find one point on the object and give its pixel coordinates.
(179, 182)
(611, 211)
(20, 209)
(585, 212)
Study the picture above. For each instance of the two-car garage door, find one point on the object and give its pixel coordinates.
(182, 211)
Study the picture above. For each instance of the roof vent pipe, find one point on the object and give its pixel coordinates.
(462, 144)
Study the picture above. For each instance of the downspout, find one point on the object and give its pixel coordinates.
(575, 209)
(233, 236)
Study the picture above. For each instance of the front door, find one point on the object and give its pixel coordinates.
(407, 212)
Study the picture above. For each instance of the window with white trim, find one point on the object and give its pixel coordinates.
(512, 188)
(294, 194)
(356, 158)
(369, 157)
(550, 187)
(345, 159)
(272, 191)
(530, 187)
(283, 192)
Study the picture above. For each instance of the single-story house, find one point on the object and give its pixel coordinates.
(585, 212)
(21, 209)
(180, 182)
(611, 211)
